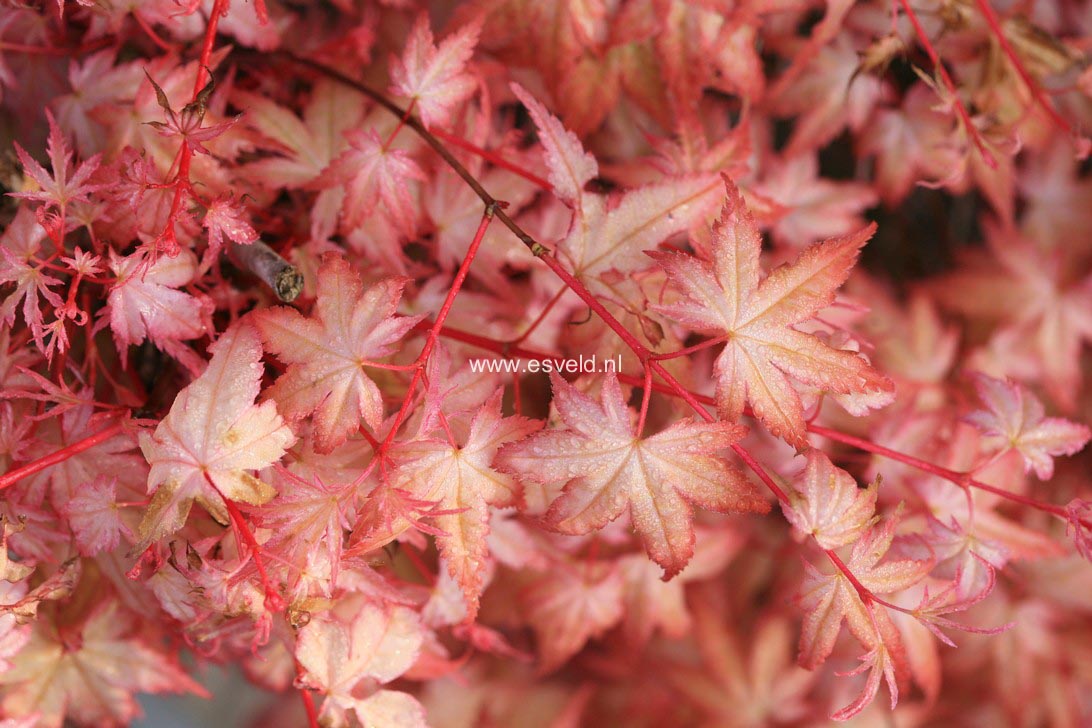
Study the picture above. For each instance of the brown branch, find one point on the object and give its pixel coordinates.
(414, 123)
(265, 263)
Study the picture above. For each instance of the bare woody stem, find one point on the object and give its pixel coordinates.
(265, 263)
(437, 146)
(457, 141)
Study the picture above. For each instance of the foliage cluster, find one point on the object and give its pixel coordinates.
(250, 250)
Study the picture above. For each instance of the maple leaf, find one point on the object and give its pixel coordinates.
(828, 504)
(649, 602)
(77, 421)
(914, 345)
(227, 217)
(1053, 190)
(913, 143)
(305, 147)
(371, 173)
(747, 677)
(829, 97)
(611, 234)
(460, 480)
(956, 597)
(68, 183)
(96, 83)
(816, 207)
(757, 319)
(435, 77)
(90, 675)
(327, 354)
(1014, 417)
(306, 512)
(570, 604)
(145, 303)
(388, 513)
(212, 435)
(452, 392)
(571, 167)
(582, 51)
(348, 662)
(973, 525)
(1042, 301)
(188, 124)
(93, 515)
(828, 599)
(455, 211)
(879, 664)
(698, 46)
(607, 467)
(20, 243)
(652, 603)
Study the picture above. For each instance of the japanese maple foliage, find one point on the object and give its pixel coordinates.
(642, 363)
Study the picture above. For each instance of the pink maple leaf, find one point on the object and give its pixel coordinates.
(226, 217)
(1014, 417)
(912, 144)
(435, 77)
(879, 664)
(306, 512)
(607, 467)
(19, 246)
(94, 517)
(1043, 304)
(460, 479)
(570, 604)
(145, 303)
(609, 234)
(571, 167)
(67, 183)
(371, 173)
(744, 671)
(827, 504)
(828, 599)
(327, 354)
(348, 662)
(816, 207)
(758, 318)
(304, 147)
(188, 124)
(213, 435)
(91, 675)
